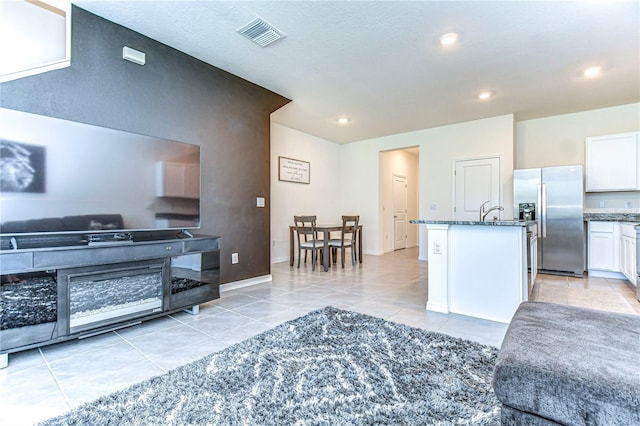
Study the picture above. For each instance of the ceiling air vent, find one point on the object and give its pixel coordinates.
(261, 32)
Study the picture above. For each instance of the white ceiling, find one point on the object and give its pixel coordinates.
(380, 62)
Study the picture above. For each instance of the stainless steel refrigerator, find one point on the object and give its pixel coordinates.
(554, 197)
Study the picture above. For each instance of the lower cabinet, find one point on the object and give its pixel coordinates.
(628, 252)
(602, 246)
(612, 250)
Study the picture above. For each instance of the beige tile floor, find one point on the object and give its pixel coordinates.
(48, 381)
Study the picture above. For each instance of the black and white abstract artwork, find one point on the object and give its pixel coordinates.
(22, 167)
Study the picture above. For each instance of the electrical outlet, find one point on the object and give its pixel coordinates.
(234, 258)
(601, 204)
(436, 248)
(260, 202)
(628, 204)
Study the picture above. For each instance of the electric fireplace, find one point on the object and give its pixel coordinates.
(97, 296)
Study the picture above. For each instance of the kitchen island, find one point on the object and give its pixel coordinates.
(479, 268)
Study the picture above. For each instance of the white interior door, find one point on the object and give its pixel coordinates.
(476, 181)
(399, 212)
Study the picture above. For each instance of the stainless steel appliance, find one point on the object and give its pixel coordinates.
(532, 256)
(554, 197)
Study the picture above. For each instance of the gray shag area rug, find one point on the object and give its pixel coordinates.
(329, 367)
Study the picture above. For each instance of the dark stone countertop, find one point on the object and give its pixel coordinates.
(473, 222)
(612, 217)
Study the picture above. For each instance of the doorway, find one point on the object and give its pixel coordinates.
(399, 189)
(398, 202)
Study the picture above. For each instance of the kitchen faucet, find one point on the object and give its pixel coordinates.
(500, 208)
(482, 210)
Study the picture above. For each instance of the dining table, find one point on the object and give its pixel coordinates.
(326, 236)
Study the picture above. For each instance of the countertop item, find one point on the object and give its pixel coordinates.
(474, 222)
(612, 217)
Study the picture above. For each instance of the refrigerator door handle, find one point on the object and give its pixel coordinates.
(542, 193)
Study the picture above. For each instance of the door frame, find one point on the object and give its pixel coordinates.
(470, 158)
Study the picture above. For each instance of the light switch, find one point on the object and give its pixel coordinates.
(433, 207)
(260, 202)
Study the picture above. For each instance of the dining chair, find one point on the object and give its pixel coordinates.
(347, 238)
(307, 238)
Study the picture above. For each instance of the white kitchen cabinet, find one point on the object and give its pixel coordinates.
(613, 162)
(603, 248)
(627, 244)
(612, 250)
(177, 180)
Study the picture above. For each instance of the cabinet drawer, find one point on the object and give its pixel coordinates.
(104, 255)
(15, 262)
(601, 226)
(194, 246)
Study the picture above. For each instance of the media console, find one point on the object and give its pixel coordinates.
(68, 286)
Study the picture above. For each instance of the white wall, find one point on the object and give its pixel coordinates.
(319, 198)
(560, 140)
(401, 163)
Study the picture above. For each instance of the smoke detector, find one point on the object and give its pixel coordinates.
(261, 32)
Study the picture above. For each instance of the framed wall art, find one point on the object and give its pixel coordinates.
(291, 170)
(22, 167)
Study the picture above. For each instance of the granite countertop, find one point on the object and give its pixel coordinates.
(474, 222)
(612, 217)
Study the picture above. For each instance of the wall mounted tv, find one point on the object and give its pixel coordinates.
(59, 176)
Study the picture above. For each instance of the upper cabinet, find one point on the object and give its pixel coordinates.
(38, 35)
(613, 163)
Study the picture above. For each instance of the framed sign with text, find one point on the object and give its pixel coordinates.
(290, 170)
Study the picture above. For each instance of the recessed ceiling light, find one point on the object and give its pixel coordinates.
(484, 96)
(343, 120)
(592, 72)
(449, 39)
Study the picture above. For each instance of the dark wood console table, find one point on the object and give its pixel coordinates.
(91, 289)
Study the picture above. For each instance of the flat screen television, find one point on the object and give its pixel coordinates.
(59, 176)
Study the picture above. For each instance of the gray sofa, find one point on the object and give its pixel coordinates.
(569, 365)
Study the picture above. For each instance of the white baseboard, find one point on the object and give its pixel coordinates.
(436, 307)
(234, 285)
(606, 274)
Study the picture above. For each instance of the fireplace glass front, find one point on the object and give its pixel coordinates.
(98, 297)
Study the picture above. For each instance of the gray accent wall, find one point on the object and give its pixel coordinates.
(173, 96)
